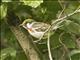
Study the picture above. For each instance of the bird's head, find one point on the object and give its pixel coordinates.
(27, 24)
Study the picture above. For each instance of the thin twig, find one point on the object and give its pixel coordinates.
(60, 2)
(76, 11)
(63, 8)
(61, 58)
(48, 45)
(61, 13)
(62, 42)
(66, 49)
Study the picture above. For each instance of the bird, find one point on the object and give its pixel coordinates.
(36, 29)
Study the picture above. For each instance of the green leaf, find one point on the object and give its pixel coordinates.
(7, 52)
(20, 55)
(3, 10)
(75, 57)
(72, 6)
(68, 40)
(71, 27)
(55, 40)
(75, 54)
(75, 18)
(52, 8)
(6, 0)
(33, 4)
(58, 54)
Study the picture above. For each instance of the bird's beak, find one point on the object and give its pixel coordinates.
(21, 25)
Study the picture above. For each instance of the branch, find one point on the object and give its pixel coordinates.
(25, 43)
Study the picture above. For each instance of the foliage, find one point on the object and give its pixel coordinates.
(7, 52)
(3, 9)
(65, 41)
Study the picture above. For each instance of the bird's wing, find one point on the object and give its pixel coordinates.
(39, 26)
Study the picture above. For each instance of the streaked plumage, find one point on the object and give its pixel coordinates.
(36, 29)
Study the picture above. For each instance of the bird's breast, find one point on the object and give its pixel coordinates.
(36, 34)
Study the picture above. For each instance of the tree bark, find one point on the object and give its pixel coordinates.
(25, 43)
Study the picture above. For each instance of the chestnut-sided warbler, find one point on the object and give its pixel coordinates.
(36, 29)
